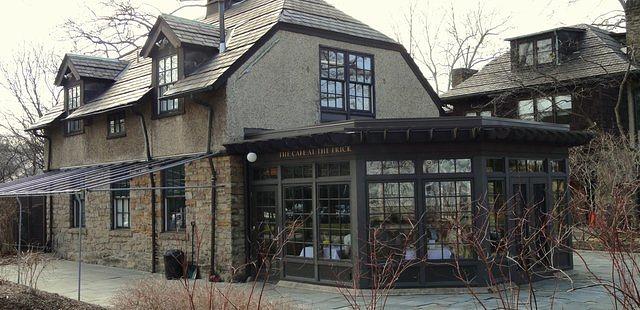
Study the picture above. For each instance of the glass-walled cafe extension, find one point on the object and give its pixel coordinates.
(319, 196)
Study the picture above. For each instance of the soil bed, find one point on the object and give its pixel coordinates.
(13, 296)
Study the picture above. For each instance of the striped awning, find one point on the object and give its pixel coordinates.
(73, 180)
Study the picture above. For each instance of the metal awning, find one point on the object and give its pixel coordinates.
(73, 180)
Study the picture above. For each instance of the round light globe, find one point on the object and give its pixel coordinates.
(252, 157)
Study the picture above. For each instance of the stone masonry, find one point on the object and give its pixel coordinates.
(132, 248)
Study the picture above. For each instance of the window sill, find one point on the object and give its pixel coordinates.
(120, 232)
(168, 114)
(174, 235)
(116, 136)
(75, 230)
(75, 133)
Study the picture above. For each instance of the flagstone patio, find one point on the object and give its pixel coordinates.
(100, 284)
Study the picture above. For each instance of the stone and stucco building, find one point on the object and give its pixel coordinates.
(342, 139)
(266, 77)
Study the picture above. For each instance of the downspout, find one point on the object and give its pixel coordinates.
(47, 199)
(214, 196)
(213, 275)
(154, 233)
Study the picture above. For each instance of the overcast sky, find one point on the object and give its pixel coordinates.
(38, 21)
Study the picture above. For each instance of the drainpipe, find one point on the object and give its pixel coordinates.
(47, 199)
(214, 196)
(213, 275)
(154, 233)
(19, 236)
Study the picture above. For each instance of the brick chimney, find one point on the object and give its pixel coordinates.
(460, 75)
(632, 16)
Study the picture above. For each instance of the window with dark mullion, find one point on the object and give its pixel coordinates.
(116, 125)
(346, 77)
(120, 205)
(167, 75)
(332, 73)
(77, 211)
(174, 199)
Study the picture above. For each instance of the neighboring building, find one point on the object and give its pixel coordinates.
(568, 75)
(151, 144)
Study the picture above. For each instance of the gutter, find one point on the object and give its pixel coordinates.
(154, 233)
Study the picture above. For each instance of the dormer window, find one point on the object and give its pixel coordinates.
(167, 75)
(536, 52)
(73, 101)
(73, 98)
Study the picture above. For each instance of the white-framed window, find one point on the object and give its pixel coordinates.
(167, 75)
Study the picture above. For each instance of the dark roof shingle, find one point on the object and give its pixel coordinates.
(599, 55)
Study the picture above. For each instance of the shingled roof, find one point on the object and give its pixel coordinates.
(83, 66)
(599, 55)
(251, 21)
(182, 31)
(249, 25)
(127, 90)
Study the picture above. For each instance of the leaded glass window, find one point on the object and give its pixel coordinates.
(334, 221)
(392, 219)
(346, 77)
(449, 220)
(298, 220)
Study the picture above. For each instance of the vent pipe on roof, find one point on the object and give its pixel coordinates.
(223, 32)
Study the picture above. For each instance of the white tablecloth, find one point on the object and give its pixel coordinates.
(437, 251)
(307, 252)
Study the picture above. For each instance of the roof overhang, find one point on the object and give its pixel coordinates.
(412, 131)
(549, 31)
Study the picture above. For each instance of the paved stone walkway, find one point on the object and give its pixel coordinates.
(100, 284)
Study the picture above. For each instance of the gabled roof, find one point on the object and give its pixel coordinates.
(599, 55)
(181, 31)
(131, 86)
(253, 21)
(249, 25)
(83, 66)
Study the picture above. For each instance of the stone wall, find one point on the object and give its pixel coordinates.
(132, 248)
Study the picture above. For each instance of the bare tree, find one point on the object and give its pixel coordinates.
(117, 27)
(27, 77)
(451, 40)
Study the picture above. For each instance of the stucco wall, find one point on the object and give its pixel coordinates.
(169, 136)
(279, 86)
(93, 146)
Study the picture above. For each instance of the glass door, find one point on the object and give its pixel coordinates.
(265, 241)
(529, 221)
